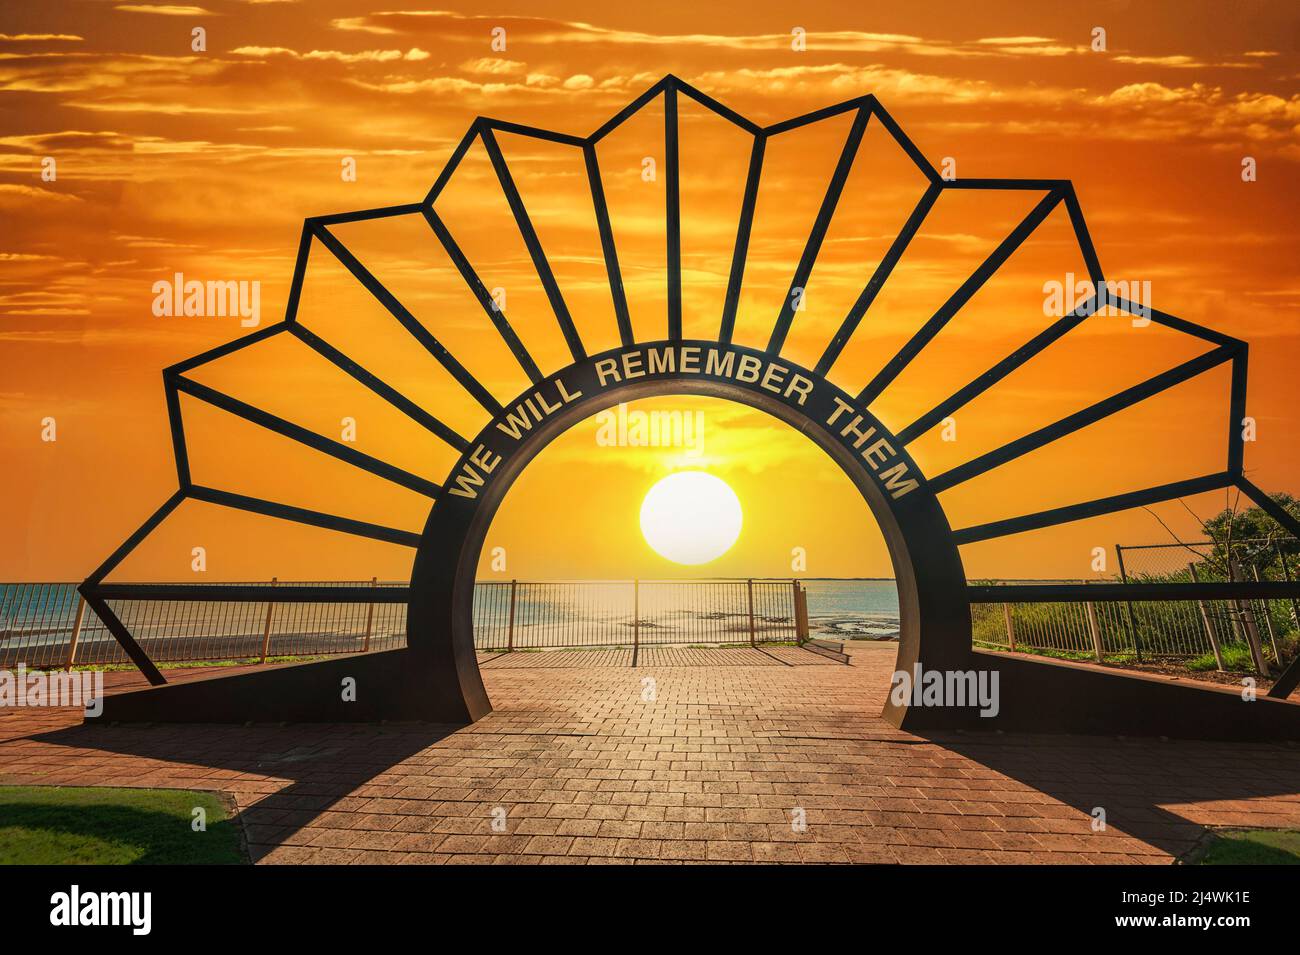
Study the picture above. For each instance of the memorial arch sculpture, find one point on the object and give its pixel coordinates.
(435, 677)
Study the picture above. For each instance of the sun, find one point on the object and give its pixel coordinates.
(691, 517)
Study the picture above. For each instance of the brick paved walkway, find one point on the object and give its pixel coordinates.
(657, 657)
(711, 766)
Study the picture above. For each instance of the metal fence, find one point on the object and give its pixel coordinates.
(1234, 633)
(518, 615)
(1154, 629)
(48, 624)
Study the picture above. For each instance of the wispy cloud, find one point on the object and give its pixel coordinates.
(362, 56)
(449, 26)
(166, 10)
(40, 38)
(13, 192)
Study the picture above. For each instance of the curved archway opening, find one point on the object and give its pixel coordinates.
(933, 612)
(637, 483)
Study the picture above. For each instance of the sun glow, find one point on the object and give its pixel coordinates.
(691, 517)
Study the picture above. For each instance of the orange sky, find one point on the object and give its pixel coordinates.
(206, 163)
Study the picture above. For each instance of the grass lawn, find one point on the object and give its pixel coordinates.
(51, 825)
(1254, 847)
(200, 664)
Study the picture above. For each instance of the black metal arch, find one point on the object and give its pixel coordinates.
(1056, 193)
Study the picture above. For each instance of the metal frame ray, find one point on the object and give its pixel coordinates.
(1228, 350)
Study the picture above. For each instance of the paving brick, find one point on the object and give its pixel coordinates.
(711, 771)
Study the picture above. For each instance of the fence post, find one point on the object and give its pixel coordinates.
(1205, 619)
(750, 590)
(1233, 609)
(510, 629)
(1286, 575)
(76, 631)
(1248, 619)
(1268, 620)
(794, 595)
(1011, 627)
(1128, 604)
(1094, 629)
(370, 618)
(266, 630)
(800, 614)
(636, 620)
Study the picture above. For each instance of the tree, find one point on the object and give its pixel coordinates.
(1253, 538)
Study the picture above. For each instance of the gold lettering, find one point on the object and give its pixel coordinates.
(862, 437)
(748, 369)
(801, 386)
(840, 408)
(880, 450)
(607, 368)
(485, 459)
(716, 365)
(892, 482)
(662, 360)
(773, 377)
(515, 426)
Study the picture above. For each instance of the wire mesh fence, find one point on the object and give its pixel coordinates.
(48, 625)
(1098, 629)
(37, 622)
(1165, 629)
(1251, 559)
(1235, 634)
(522, 615)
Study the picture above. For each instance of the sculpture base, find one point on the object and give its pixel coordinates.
(361, 688)
(1053, 696)
(1033, 696)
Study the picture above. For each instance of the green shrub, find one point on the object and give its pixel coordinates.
(1236, 657)
(1288, 645)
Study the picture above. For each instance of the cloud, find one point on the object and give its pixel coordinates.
(494, 66)
(448, 25)
(1203, 111)
(359, 24)
(32, 299)
(150, 242)
(84, 72)
(42, 144)
(12, 192)
(163, 9)
(171, 109)
(27, 257)
(1180, 61)
(40, 37)
(460, 86)
(843, 81)
(1013, 40)
(414, 54)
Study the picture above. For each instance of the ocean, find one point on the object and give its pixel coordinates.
(590, 613)
(36, 621)
(852, 609)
